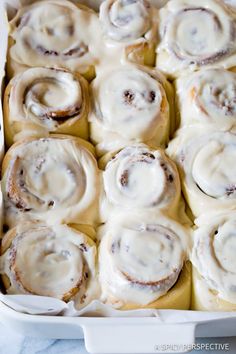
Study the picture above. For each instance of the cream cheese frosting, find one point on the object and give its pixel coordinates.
(139, 178)
(55, 34)
(55, 261)
(125, 20)
(140, 261)
(206, 163)
(195, 35)
(53, 179)
(43, 100)
(65, 35)
(129, 30)
(130, 105)
(213, 253)
(208, 97)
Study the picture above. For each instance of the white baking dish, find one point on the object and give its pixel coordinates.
(126, 335)
(169, 331)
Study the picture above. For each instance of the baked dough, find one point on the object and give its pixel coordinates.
(130, 105)
(54, 34)
(195, 35)
(41, 101)
(54, 180)
(213, 257)
(56, 261)
(141, 259)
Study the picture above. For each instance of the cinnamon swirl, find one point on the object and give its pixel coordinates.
(56, 261)
(213, 257)
(130, 105)
(207, 169)
(129, 27)
(41, 101)
(142, 264)
(208, 98)
(140, 179)
(54, 179)
(196, 35)
(54, 34)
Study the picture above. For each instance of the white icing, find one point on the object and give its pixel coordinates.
(212, 169)
(213, 254)
(54, 179)
(130, 104)
(124, 20)
(129, 30)
(40, 95)
(55, 34)
(208, 97)
(195, 35)
(140, 178)
(140, 262)
(206, 160)
(50, 261)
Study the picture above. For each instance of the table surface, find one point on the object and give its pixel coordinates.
(13, 343)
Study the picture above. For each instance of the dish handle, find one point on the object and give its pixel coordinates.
(136, 338)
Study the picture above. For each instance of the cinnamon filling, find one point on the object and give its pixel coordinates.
(231, 190)
(129, 97)
(78, 51)
(17, 192)
(146, 157)
(153, 284)
(32, 97)
(124, 179)
(165, 281)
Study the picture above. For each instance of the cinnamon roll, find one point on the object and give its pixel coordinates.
(207, 167)
(138, 178)
(129, 105)
(142, 264)
(129, 28)
(55, 180)
(54, 34)
(56, 261)
(41, 101)
(196, 35)
(213, 257)
(208, 98)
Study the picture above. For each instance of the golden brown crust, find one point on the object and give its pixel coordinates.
(6, 114)
(6, 281)
(142, 53)
(5, 244)
(7, 240)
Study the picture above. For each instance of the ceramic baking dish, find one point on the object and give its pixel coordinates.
(168, 331)
(127, 334)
